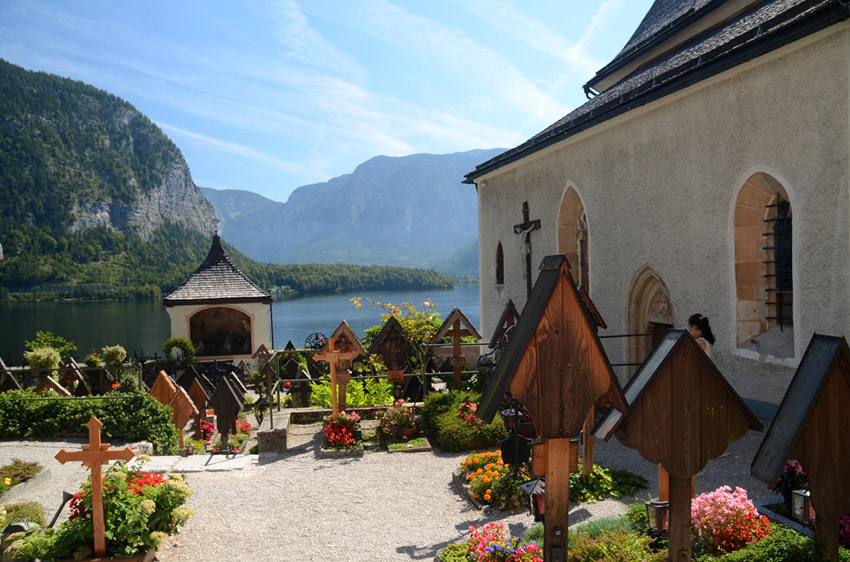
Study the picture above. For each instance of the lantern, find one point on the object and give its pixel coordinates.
(801, 506)
(535, 491)
(658, 513)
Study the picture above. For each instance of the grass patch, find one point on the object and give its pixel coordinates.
(413, 442)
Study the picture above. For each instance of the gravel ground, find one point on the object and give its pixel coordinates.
(296, 506)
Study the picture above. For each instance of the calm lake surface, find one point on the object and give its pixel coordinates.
(144, 326)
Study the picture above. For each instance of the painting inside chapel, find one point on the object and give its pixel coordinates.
(220, 331)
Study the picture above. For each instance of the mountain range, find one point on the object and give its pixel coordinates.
(405, 211)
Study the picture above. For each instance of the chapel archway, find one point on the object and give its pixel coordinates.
(573, 237)
(650, 315)
(764, 267)
(220, 331)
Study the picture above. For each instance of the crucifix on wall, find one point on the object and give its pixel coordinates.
(525, 228)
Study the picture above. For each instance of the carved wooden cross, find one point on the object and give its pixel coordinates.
(95, 454)
(525, 227)
(337, 355)
(456, 326)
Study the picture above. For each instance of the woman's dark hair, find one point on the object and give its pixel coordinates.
(701, 322)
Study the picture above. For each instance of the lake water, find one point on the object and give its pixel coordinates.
(143, 326)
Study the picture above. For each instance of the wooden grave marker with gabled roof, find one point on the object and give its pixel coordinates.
(7, 379)
(51, 384)
(227, 405)
(72, 379)
(262, 355)
(811, 426)
(556, 366)
(200, 398)
(682, 414)
(339, 351)
(184, 409)
(456, 325)
(505, 325)
(163, 388)
(395, 349)
(243, 370)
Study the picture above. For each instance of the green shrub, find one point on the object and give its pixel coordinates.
(50, 340)
(437, 403)
(604, 482)
(114, 355)
(19, 471)
(535, 533)
(370, 392)
(783, 544)
(179, 352)
(43, 358)
(455, 553)
(612, 546)
(455, 434)
(137, 418)
(33, 511)
(596, 527)
(638, 518)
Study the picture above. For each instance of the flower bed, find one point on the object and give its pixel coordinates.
(139, 509)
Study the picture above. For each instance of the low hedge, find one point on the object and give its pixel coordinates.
(453, 433)
(138, 418)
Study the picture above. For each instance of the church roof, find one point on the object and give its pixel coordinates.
(764, 28)
(217, 281)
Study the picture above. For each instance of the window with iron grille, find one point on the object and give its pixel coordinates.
(780, 287)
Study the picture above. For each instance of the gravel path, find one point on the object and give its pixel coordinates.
(296, 506)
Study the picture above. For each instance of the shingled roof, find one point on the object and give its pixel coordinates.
(766, 27)
(217, 281)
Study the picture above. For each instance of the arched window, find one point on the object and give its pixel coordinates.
(650, 315)
(764, 268)
(220, 331)
(500, 265)
(573, 240)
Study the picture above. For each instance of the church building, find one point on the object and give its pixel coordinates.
(223, 313)
(708, 173)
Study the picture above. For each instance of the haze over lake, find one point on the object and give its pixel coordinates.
(143, 326)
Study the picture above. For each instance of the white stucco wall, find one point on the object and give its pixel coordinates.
(659, 186)
(260, 322)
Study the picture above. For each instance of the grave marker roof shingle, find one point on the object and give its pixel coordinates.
(217, 281)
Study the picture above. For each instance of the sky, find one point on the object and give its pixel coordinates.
(267, 96)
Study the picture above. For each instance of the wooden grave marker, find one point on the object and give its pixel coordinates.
(262, 355)
(395, 350)
(184, 410)
(505, 325)
(339, 352)
(94, 455)
(243, 370)
(811, 426)
(163, 388)
(7, 379)
(556, 366)
(456, 326)
(586, 438)
(200, 398)
(72, 379)
(51, 384)
(227, 405)
(682, 414)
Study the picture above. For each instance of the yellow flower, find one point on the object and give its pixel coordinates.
(7, 481)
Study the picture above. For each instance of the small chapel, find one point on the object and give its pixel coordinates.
(708, 173)
(220, 310)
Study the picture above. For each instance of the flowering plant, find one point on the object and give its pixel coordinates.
(844, 530)
(508, 402)
(207, 429)
(339, 429)
(467, 413)
(792, 478)
(492, 481)
(395, 418)
(139, 511)
(92, 359)
(491, 543)
(726, 521)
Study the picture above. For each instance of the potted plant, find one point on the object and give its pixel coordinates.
(792, 478)
(340, 430)
(397, 421)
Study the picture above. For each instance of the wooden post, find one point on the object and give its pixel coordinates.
(557, 500)
(679, 549)
(95, 454)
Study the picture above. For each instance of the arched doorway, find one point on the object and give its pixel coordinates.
(650, 311)
(573, 240)
(220, 331)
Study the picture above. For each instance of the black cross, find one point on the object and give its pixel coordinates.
(526, 227)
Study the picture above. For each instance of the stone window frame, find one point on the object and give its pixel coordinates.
(749, 207)
(573, 235)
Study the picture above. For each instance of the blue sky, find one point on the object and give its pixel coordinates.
(271, 95)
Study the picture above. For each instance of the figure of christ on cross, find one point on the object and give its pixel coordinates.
(525, 227)
(95, 454)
